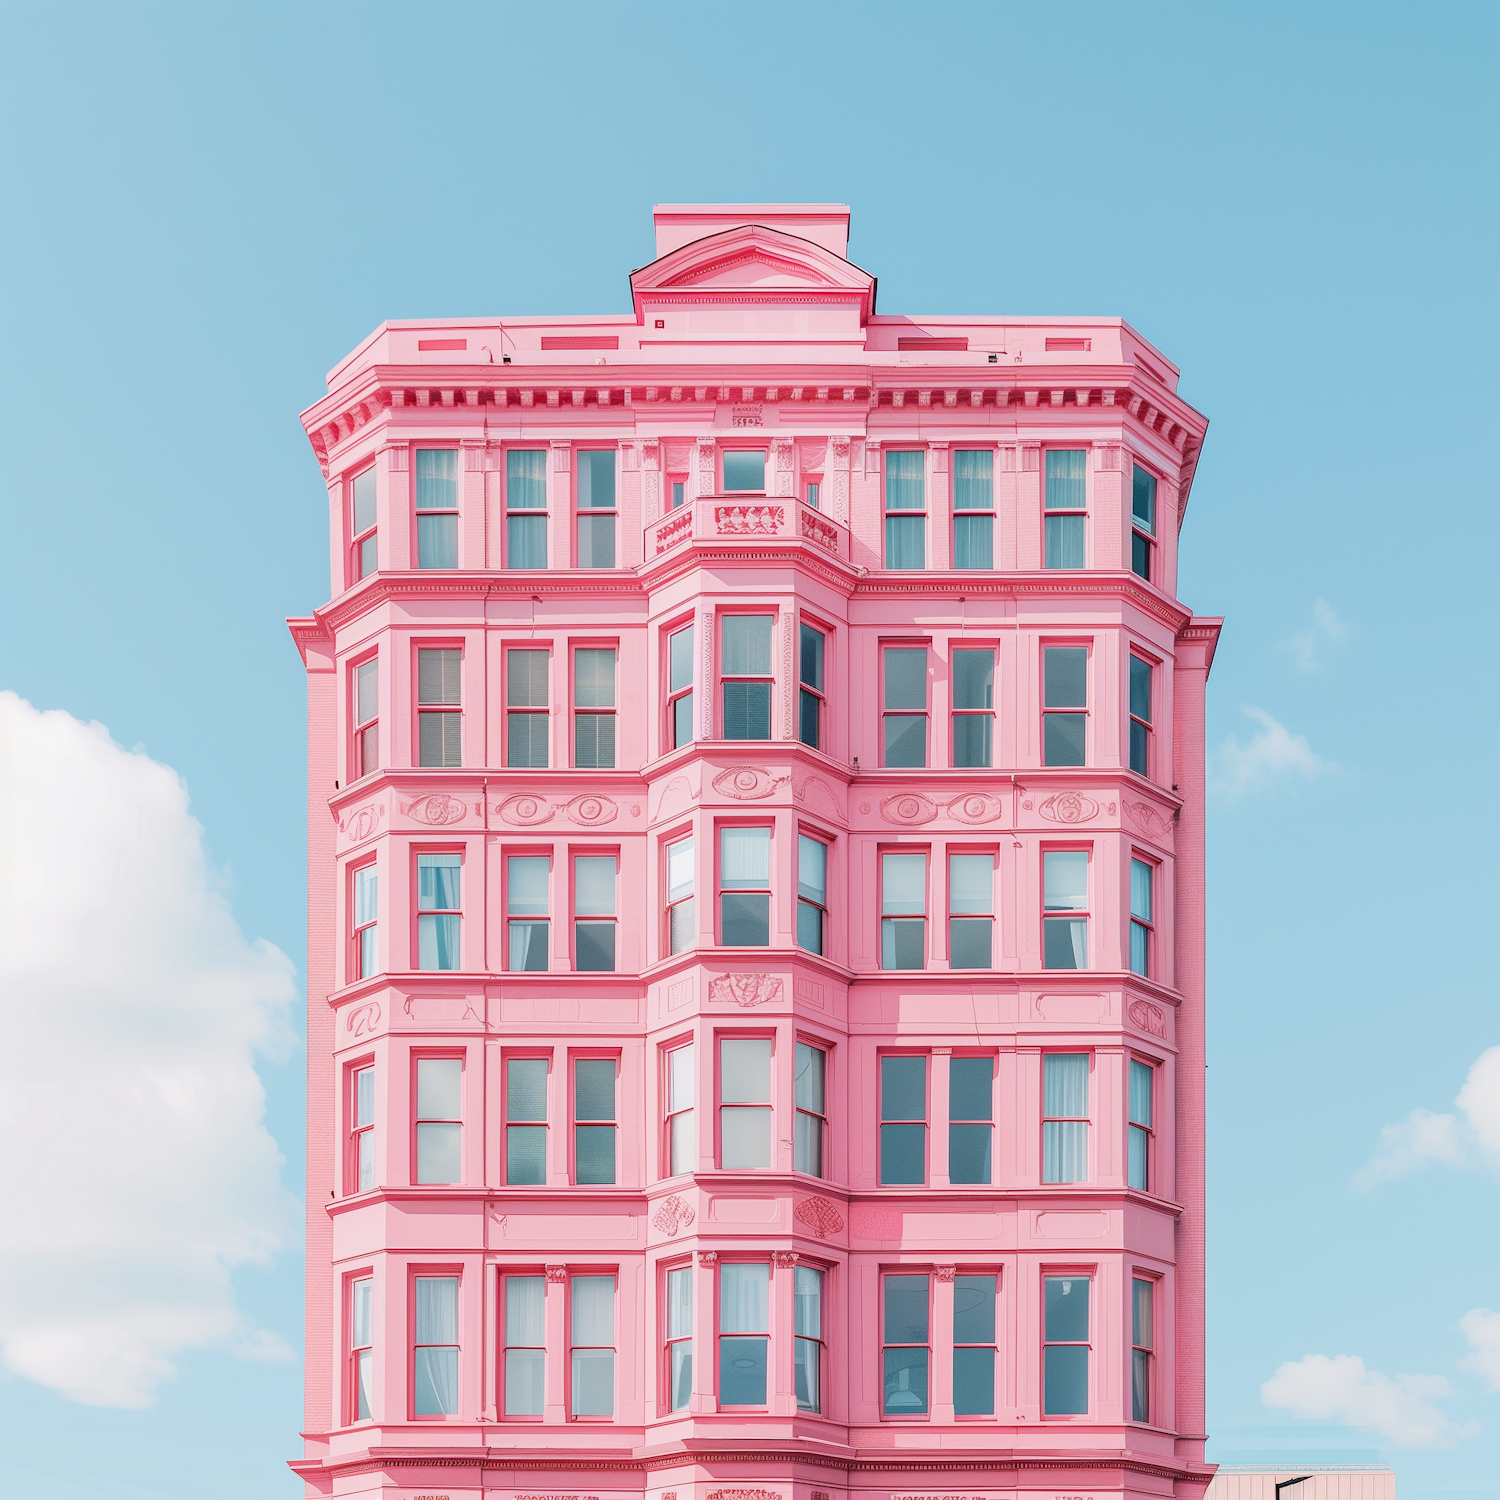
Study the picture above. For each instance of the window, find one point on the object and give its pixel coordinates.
(680, 687)
(435, 1357)
(593, 1346)
(1065, 880)
(1065, 700)
(903, 1120)
(974, 509)
(745, 887)
(1138, 1167)
(905, 728)
(596, 508)
(744, 1103)
(525, 1345)
(974, 1346)
(1066, 507)
(362, 1345)
(1065, 1117)
(905, 1346)
(594, 1120)
(1142, 1341)
(366, 925)
(971, 911)
(438, 910)
(594, 707)
(527, 909)
(526, 709)
(810, 702)
(813, 490)
(679, 493)
(439, 716)
(903, 911)
(745, 469)
(679, 1338)
(812, 893)
(682, 923)
(437, 507)
(905, 511)
(744, 1332)
(362, 1130)
(526, 1121)
(1065, 1356)
(812, 1111)
(1140, 916)
(973, 707)
(971, 1114)
(1140, 716)
(1142, 522)
(526, 508)
(365, 561)
(807, 1358)
(366, 718)
(594, 913)
(746, 671)
(681, 1088)
(439, 1133)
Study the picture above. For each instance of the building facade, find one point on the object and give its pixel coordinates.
(756, 907)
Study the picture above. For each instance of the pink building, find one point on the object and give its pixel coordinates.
(756, 900)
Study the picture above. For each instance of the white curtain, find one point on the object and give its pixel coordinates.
(593, 1310)
(1065, 1151)
(745, 858)
(527, 885)
(680, 1303)
(680, 869)
(809, 1302)
(744, 1297)
(1065, 1085)
(903, 882)
(525, 1298)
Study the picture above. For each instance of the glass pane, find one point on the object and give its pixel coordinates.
(810, 1065)
(526, 885)
(435, 1382)
(1140, 1093)
(364, 1096)
(526, 1155)
(365, 887)
(437, 1309)
(680, 652)
(973, 1309)
(905, 542)
(973, 479)
(807, 1145)
(438, 1152)
(1066, 1381)
(596, 541)
(744, 1138)
(1141, 1320)
(742, 1371)
(905, 1388)
(1065, 1085)
(594, 947)
(808, 1302)
(594, 741)
(594, 885)
(364, 500)
(903, 884)
(971, 1088)
(366, 1161)
(903, 1088)
(1067, 1309)
(684, 1143)
(1065, 670)
(812, 496)
(683, 926)
(1065, 880)
(439, 1088)
(369, 750)
(1065, 943)
(1065, 478)
(680, 1080)
(364, 1296)
(906, 739)
(745, 1070)
(1140, 1385)
(596, 480)
(810, 719)
(679, 494)
(526, 742)
(1065, 537)
(369, 959)
(745, 858)
(1140, 889)
(594, 1154)
(433, 740)
(747, 710)
(682, 720)
(973, 1382)
(970, 941)
(745, 919)
(1065, 1151)
(526, 680)
(437, 942)
(438, 676)
(679, 869)
(594, 678)
(367, 691)
(593, 1382)
(1062, 739)
(1140, 689)
(809, 927)
(971, 739)
(969, 1153)
(1140, 556)
(529, 946)
(525, 1297)
(524, 1377)
(593, 1300)
(744, 470)
(680, 1303)
(1140, 748)
(1140, 948)
(904, 489)
(368, 556)
(1143, 500)
(906, 1309)
(1138, 1160)
(812, 868)
(902, 943)
(812, 657)
(905, 677)
(594, 1088)
(973, 679)
(437, 479)
(744, 1297)
(526, 479)
(971, 884)
(973, 542)
(806, 1372)
(747, 645)
(437, 541)
(903, 1154)
(681, 1376)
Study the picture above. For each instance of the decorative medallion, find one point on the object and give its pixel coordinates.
(673, 1214)
(436, 810)
(908, 807)
(745, 990)
(1068, 807)
(747, 783)
(976, 807)
(819, 1217)
(1148, 1017)
(591, 811)
(525, 811)
(946, 1273)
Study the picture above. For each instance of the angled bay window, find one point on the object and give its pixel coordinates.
(904, 719)
(812, 1112)
(973, 707)
(594, 707)
(528, 910)
(903, 911)
(971, 911)
(439, 910)
(1065, 1352)
(594, 1120)
(744, 1103)
(526, 703)
(1065, 1117)
(905, 1344)
(903, 1120)
(745, 471)
(1138, 1164)
(1066, 507)
(681, 1094)
(361, 1347)
(744, 1332)
(366, 926)
(1065, 701)
(1142, 1344)
(812, 893)
(525, 1345)
(1142, 522)
(971, 1115)
(594, 913)
(974, 508)
(905, 510)
(807, 1294)
(1140, 716)
(1065, 889)
(360, 1169)
(526, 508)
(526, 1121)
(974, 1345)
(680, 688)
(596, 508)
(679, 1338)
(440, 717)
(366, 718)
(810, 700)
(744, 887)
(439, 1115)
(746, 674)
(592, 1329)
(1141, 924)
(364, 523)
(682, 921)
(435, 1352)
(437, 507)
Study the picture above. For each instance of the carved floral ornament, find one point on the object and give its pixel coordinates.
(749, 520)
(745, 990)
(673, 1214)
(743, 1495)
(819, 1217)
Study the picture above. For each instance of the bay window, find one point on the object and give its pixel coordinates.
(811, 1125)
(439, 912)
(744, 1332)
(1065, 1117)
(681, 1087)
(744, 887)
(1142, 522)
(905, 510)
(744, 1103)
(1140, 716)
(974, 508)
(361, 1347)
(526, 508)
(679, 1337)
(528, 911)
(810, 700)
(366, 924)
(807, 1294)
(366, 719)
(905, 1345)
(1141, 926)
(1065, 889)
(1138, 1164)
(437, 507)
(812, 893)
(1065, 1351)
(1066, 507)
(745, 667)
(361, 1160)
(680, 688)
(1142, 1344)
(682, 923)
(1065, 701)
(435, 1351)
(365, 561)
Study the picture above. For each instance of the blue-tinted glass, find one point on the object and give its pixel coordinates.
(973, 1309)
(1065, 536)
(1140, 948)
(594, 1088)
(812, 657)
(437, 942)
(904, 489)
(437, 541)
(526, 1154)
(594, 1153)
(1062, 739)
(1143, 500)
(903, 1088)
(973, 679)
(972, 739)
(594, 741)
(746, 648)
(905, 677)
(903, 1154)
(973, 1382)
(594, 947)
(596, 483)
(438, 882)
(747, 710)
(744, 470)
(969, 1153)
(528, 946)
(1066, 677)
(903, 884)
(905, 740)
(680, 667)
(1065, 478)
(809, 927)
(1140, 889)
(971, 1086)
(596, 541)
(526, 542)
(973, 542)
(526, 1088)
(812, 868)
(437, 479)
(906, 1309)
(364, 501)
(742, 1371)
(1067, 1309)
(1140, 556)
(745, 917)
(905, 542)
(526, 740)
(905, 1393)
(368, 557)
(1066, 945)
(1140, 688)
(902, 943)
(526, 479)
(1140, 1093)
(810, 719)
(1065, 1381)
(1140, 748)
(682, 720)
(973, 479)
(970, 942)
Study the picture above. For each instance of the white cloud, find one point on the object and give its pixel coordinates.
(137, 1168)
(1340, 1389)
(1272, 754)
(1326, 630)
(1482, 1329)
(1424, 1138)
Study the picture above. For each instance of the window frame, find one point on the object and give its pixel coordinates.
(419, 510)
(357, 1353)
(438, 1271)
(507, 1124)
(362, 727)
(1144, 535)
(670, 904)
(580, 511)
(997, 1275)
(1065, 1273)
(819, 907)
(1086, 1119)
(508, 852)
(753, 1034)
(598, 1273)
(971, 512)
(768, 677)
(357, 928)
(670, 1340)
(505, 1275)
(965, 851)
(439, 709)
(1083, 711)
(955, 713)
(810, 694)
(925, 853)
(418, 1119)
(1144, 925)
(917, 513)
(1060, 914)
(927, 1274)
(1133, 719)
(1060, 512)
(612, 853)
(820, 1125)
(577, 1055)
(368, 536)
(674, 696)
(527, 512)
(991, 1057)
(819, 1341)
(672, 1111)
(1154, 1281)
(676, 490)
(741, 1259)
(925, 1122)
(418, 854)
(532, 711)
(812, 491)
(1144, 1130)
(924, 713)
(598, 711)
(765, 457)
(359, 1132)
(744, 890)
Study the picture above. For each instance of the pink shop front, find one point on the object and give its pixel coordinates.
(755, 899)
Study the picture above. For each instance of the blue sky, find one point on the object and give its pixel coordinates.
(209, 205)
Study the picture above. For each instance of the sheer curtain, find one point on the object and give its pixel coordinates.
(744, 1297)
(436, 1369)
(746, 858)
(1065, 1108)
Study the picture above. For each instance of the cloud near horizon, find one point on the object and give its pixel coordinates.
(1400, 1410)
(132, 1008)
(1272, 755)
